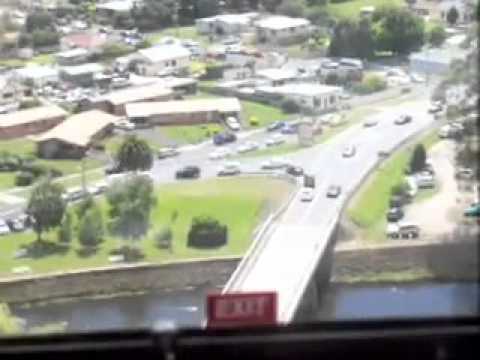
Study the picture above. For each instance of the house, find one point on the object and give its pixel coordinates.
(72, 57)
(92, 42)
(276, 77)
(109, 10)
(310, 96)
(163, 60)
(37, 76)
(115, 102)
(81, 75)
(282, 30)
(73, 137)
(31, 121)
(184, 112)
(227, 24)
(465, 8)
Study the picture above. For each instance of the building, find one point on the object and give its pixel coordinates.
(31, 121)
(72, 57)
(433, 61)
(107, 11)
(163, 60)
(92, 42)
(276, 77)
(81, 75)
(37, 75)
(309, 96)
(73, 137)
(227, 24)
(187, 112)
(115, 102)
(282, 30)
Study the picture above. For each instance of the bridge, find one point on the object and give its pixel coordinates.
(292, 252)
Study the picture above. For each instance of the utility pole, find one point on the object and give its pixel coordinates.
(84, 182)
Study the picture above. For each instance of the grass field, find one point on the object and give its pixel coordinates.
(240, 203)
(191, 134)
(375, 193)
(265, 114)
(351, 9)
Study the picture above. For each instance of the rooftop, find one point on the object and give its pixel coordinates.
(85, 40)
(244, 18)
(36, 72)
(136, 94)
(31, 115)
(164, 52)
(118, 5)
(276, 74)
(79, 129)
(300, 89)
(72, 53)
(146, 109)
(82, 69)
(281, 22)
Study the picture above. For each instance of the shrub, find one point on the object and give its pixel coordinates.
(64, 234)
(24, 178)
(370, 84)
(164, 238)
(206, 232)
(254, 121)
(289, 106)
(84, 206)
(90, 230)
(130, 254)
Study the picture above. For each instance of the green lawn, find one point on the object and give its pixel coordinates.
(265, 114)
(7, 180)
(369, 207)
(351, 9)
(182, 32)
(240, 203)
(190, 134)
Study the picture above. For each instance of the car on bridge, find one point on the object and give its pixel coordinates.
(370, 123)
(295, 170)
(403, 119)
(188, 172)
(334, 191)
(274, 164)
(307, 194)
(167, 152)
(349, 151)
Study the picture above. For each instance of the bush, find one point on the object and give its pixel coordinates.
(24, 178)
(164, 238)
(84, 206)
(254, 121)
(206, 232)
(130, 254)
(289, 106)
(64, 234)
(370, 84)
(42, 38)
(90, 230)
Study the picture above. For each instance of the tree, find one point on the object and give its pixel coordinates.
(46, 207)
(293, 8)
(84, 205)
(352, 39)
(452, 16)
(418, 159)
(64, 234)
(397, 30)
(42, 38)
(207, 8)
(153, 14)
(271, 5)
(90, 229)
(134, 154)
(437, 35)
(131, 202)
(39, 20)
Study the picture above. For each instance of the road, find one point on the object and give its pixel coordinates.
(300, 236)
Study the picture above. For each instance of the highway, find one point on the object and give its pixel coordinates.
(292, 245)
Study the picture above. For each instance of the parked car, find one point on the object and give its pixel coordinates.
(233, 123)
(349, 151)
(275, 163)
(403, 119)
(167, 152)
(464, 174)
(224, 138)
(229, 169)
(4, 229)
(125, 125)
(435, 108)
(188, 172)
(276, 139)
(370, 123)
(307, 194)
(295, 170)
(425, 180)
(277, 125)
(383, 153)
(334, 191)
(402, 230)
(395, 214)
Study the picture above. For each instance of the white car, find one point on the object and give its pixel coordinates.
(307, 194)
(233, 123)
(349, 151)
(125, 125)
(219, 154)
(247, 147)
(276, 163)
(229, 169)
(4, 229)
(276, 139)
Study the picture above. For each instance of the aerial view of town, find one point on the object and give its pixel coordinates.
(153, 152)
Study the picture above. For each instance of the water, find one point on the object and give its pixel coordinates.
(186, 308)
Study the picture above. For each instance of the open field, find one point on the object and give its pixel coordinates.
(241, 210)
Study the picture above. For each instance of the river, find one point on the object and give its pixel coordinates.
(186, 307)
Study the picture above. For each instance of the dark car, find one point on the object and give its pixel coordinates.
(277, 125)
(395, 214)
(288, 129)
(113, 169)
(403, 119)
(333, 191)
(224, 138)
(294, 170)
(188, 172)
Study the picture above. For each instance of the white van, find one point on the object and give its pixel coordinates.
(402, 230)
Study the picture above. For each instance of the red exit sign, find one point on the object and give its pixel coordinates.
(242, 309)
